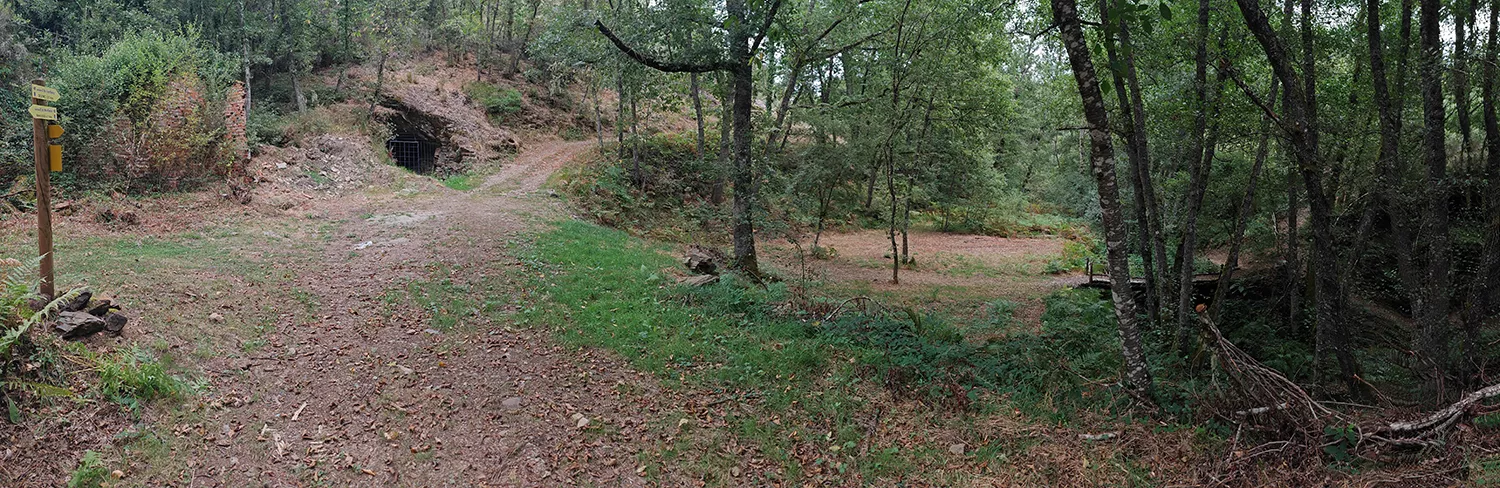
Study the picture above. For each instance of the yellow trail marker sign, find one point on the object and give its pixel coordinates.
(44, 93)
(43, 112)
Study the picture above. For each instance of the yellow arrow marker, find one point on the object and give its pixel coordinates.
(45, 93)
(43, 112)
(54, 131)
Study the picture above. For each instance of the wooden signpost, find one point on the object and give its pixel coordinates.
(40, 114)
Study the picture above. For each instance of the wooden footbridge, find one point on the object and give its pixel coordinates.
(1201, 282)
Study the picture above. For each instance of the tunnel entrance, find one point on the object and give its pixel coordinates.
(421, 141)
(413, 152)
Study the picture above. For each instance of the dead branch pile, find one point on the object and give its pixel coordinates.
(1265, 386)
(1277, 394)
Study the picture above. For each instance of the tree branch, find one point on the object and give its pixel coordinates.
(1250, 93)
(654, 63)
(1438, 421)
(765, 27)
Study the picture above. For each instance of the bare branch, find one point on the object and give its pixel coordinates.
(654, 63)
(1441, 419)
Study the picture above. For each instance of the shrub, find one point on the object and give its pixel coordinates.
(1075, 256)
(921, 355)
(17, 289)
(143, 114)
(498, 101)
(266, 128)
(1069, 365)
(176, 143)
(673, 194)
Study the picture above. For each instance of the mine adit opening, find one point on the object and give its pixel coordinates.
(421, 140)
(414, 152)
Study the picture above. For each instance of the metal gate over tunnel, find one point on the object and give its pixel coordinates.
(413, 152)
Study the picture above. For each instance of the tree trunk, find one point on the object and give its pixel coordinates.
(598, 112)
(1101, 159)
(744, 171)
(635, 143)
(785, 105)
(620, 113)
(1198, 169)
(1305, 150)
(1389, 166)
(510, 21)
(1244, 212)
(825, 199)
(1463, 16)
(1293, 259)
(297, 92)
(890, 184)
(1140, 177)
(697, 109)
(245, 56)
(515, 58)
(1432, 340)
(385, 53)
(1479, 293)
(726, 138)
(742, 75)
(1143, 174)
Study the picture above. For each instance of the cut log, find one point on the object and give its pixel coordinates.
(78, 325)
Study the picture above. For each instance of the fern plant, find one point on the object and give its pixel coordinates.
(17, 288)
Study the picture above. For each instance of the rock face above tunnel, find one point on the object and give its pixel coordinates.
(442, 114)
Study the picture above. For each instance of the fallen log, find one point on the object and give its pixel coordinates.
(1423, 430)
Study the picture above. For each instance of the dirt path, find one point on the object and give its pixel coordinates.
(370, 394)
(535, 164)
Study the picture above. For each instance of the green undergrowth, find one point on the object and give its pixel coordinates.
(498, 101)
(462, 182)
(90, 473)
(599, 287)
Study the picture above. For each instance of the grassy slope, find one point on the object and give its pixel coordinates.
(814, 388)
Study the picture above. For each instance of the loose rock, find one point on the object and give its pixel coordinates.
(704, 260)
(101, 308)
(699, 280)
(80, 302)
(114, 323)
(77, 325)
